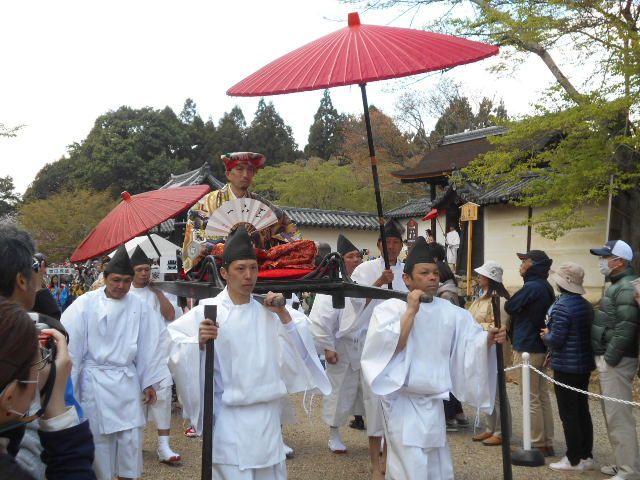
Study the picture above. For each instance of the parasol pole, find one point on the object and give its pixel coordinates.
(374, 173)
(154, 245)
(210, 312)
(505, 428)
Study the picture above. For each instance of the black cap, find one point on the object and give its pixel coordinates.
(238, 246)
(420, 253)
(391, 230)
(345, 246)
(139, 257)
(535, 255)
(120, 263)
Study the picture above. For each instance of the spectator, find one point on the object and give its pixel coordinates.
(569, 338)
(528, 308)
(24, 367)
(490, 282)
(614, 339)
(45, 302)
(59, 291)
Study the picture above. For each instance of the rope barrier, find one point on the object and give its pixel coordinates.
(591, 394)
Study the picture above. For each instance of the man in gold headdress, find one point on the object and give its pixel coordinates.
(240, 168)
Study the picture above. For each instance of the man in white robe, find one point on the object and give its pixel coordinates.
(161, 310)
(453, 243)
(414, 355)
(254, 369)
(115, 368)
(355, 323)
(342, 356)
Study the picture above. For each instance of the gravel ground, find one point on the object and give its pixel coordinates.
(313, 460)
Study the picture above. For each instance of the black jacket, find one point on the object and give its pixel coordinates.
(528, 308)
(569, 334)
(68, 455)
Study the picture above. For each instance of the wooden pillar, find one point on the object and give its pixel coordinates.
(433, 220)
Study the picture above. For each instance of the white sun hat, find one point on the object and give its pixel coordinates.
(492, 270)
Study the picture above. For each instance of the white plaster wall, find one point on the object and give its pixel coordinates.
(503, 239)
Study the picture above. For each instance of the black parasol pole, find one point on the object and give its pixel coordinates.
(374, 173)
(210, 312)
(154, 245)
(507, 473)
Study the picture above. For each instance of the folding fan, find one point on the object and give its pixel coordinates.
(251, 213)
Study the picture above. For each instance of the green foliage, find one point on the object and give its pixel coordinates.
(269, 135)
(59, 223)
(9, 131)
(315, 183)
(572, 173)
(9, 198)
(326, 136)
(596, 123)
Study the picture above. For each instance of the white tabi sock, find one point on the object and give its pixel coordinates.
(163, 441)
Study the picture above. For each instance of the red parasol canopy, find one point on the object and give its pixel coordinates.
(434, 213)
(360, 54)
(135, 215)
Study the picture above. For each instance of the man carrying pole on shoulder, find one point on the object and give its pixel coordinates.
(253, 369)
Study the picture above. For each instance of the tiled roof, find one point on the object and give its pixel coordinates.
(454, 152)
(417, 207)
(499, 193)
(314, 217)
(200, 176)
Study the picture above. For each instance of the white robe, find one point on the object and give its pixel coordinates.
(346, 391)
(115, 357)
(446, 352)
(354, 325)
(253, 370)
(159, 412)
(453, 243)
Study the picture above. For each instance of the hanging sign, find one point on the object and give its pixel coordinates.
(412, 231)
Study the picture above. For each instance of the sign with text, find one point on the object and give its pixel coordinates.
(412, 231)
(469, 212)
(61, 271)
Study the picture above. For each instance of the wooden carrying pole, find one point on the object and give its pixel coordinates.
(505, 428)
(210, 312)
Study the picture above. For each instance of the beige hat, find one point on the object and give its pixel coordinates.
(492, 270)
(569, 276)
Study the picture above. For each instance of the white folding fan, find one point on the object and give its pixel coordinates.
(252, 213)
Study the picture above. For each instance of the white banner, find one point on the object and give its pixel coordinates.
(168, 264)
(61, 271)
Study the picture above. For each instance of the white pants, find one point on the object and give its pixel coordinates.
(118, 454)
(160, 412)
(412, 463)
(232, 472)
(372, 410)
(345, 398)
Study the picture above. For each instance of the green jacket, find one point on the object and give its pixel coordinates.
(614, 332)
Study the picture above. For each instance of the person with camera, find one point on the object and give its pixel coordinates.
(33, 379)
(117, 367)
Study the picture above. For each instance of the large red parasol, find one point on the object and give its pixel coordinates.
(359, 54)
(135, 215)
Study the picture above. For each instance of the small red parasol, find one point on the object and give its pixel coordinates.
(358, 54)
(135, 215)
(434, 213)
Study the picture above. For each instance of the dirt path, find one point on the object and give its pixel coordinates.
(314, 461)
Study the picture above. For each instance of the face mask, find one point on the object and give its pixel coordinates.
(35, 410)
(603, 264)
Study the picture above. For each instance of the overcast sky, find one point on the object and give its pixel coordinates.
(64, 63)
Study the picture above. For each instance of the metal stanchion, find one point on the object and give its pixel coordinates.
(526, 456)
